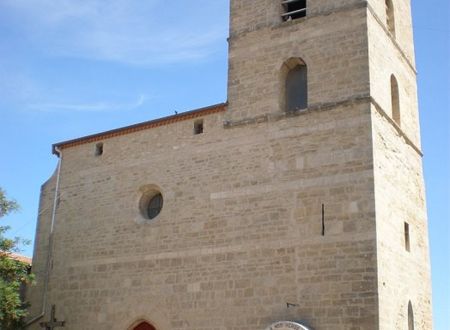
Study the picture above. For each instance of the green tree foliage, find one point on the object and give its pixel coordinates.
(14, 274)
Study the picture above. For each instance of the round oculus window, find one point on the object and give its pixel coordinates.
(154, 206)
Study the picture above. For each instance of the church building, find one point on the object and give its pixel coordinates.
(298, 203)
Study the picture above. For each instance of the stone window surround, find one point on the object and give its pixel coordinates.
(289, 65)
(144, 196)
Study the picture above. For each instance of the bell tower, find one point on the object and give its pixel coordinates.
(327, 40)
(403, 265)
(324, 63)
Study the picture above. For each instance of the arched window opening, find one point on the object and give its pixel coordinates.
(390, 18)
(395, 100)
(296, 85)
(144, 326)
(410, 317)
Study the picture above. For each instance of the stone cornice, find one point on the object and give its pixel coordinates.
(362, 4)
(399, 130)
(268, 117)
(311, 108)
(309, 16)
(390, 36)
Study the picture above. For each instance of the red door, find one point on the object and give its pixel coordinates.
(144, 326)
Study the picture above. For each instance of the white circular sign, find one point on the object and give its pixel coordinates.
(287, 325)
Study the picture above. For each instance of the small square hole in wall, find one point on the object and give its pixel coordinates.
(198, 127)
(407, 239)
(99, 149)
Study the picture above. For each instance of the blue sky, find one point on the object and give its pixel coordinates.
(71, 68)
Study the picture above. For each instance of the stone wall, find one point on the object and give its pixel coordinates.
(403, 24)
(399, 186)
(333, 45)
(386, 60)
(400, 197)
(35, 293)
(240, 232)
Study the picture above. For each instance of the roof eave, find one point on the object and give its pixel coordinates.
(140, 126)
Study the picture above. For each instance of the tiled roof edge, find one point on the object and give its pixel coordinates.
(141, 126)
(19, 257)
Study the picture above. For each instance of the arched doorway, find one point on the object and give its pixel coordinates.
(144, 326)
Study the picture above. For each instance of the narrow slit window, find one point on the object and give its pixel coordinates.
(99, 149)
(407, 239)
(395, 101)
(198, 127)
(293, 9)
(390, 18)
(410, 317)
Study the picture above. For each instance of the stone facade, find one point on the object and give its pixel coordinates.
(241, 241)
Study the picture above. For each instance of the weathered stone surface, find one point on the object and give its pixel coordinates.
(240, 232)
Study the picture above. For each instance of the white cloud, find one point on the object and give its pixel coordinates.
(89, 107)
(134, 32)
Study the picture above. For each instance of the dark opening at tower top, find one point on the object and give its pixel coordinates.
(293, 9)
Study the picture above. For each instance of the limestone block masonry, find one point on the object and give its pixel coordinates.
(270, 219)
